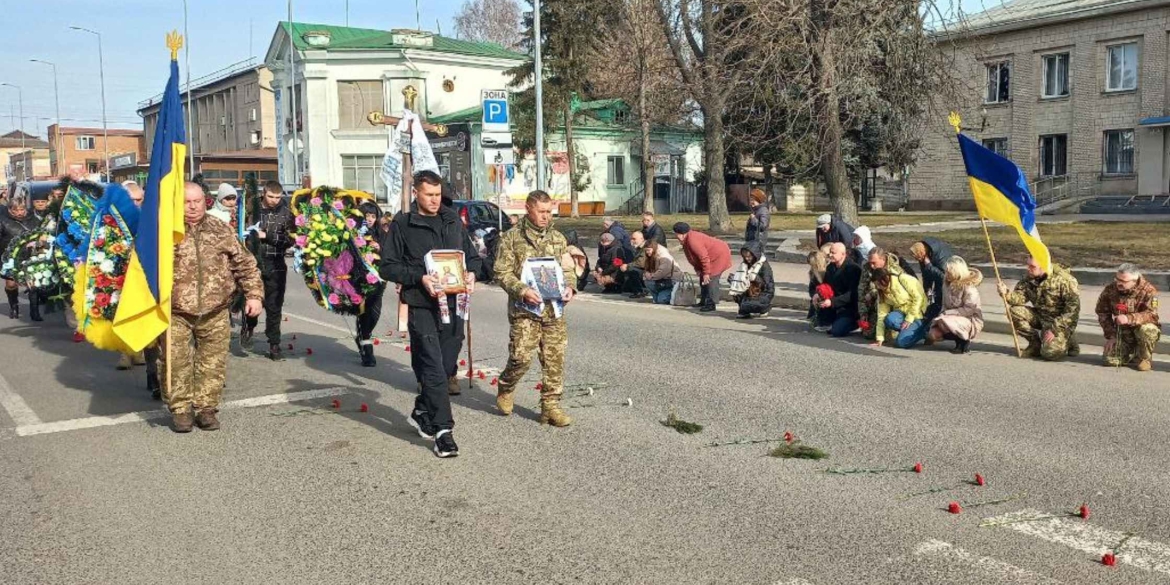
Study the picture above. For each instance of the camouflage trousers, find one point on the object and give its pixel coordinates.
(199, 348)
(1063, 344)
(1134, 343)
(550, 336)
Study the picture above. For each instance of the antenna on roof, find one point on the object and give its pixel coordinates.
(417, 16)
(439, 27)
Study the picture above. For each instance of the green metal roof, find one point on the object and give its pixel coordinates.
(349, 38)
(600, 104)
(472, 114)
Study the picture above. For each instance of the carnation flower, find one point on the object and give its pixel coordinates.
(301, 241)
(350, 223)
(300, 220)
(355, 299)
(371, 278)
(315, 201)
(1122, 308)
(360, 241)
(338, 205)
(333, 299)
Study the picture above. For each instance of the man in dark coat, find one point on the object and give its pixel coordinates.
(837, 314)
(273, 238)
(833, 229)
(619, 233)
(932, 255)
(651, 230)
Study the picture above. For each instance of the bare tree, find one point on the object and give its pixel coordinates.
(709, 48)
(634, 62)
(841, 86)
(493, 21)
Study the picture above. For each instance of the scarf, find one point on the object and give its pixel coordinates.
(462, 300)
(745, 275)
(866, 244)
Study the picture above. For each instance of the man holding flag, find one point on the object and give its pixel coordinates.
(1001, 194)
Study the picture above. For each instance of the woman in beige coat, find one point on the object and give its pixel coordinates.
(962, 316)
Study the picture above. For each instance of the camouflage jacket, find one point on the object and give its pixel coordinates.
(210, 263)
(1140, 302)
(1056, 299)
(867, 294)
(518, 245)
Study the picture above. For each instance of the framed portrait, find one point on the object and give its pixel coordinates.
(449, 267)
(546, 276)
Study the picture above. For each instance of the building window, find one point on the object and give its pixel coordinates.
(1119, 152)
(85, 143)
(615, 170)
(1121, 67)
(621, 117)
(998, 83)
(360, 172)
(997, 145)
(355, 100)
(1055, 75)
(1054, 155)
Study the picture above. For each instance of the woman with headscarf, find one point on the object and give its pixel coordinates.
(759, 220)
(367, 321)
(15, 221)
(226, 201)
(752, 285)
(862, 244)
(962, 310)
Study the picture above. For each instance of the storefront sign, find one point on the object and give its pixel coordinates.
(124, 160)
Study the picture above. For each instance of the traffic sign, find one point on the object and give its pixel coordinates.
(495, 110)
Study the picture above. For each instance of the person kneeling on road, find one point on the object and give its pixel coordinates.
(962, 312)
(210, 264)
(836, 298)
(901, 304)
(1050, 324)
(752, 285)
(634, 271)
(1128, 313)
(661, 272)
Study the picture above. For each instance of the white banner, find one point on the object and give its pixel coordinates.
(422, 157)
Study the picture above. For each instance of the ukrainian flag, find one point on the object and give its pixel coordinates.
(1001, 194)
(144, 311)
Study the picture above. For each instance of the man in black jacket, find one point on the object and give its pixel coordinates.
(434, 344)
(275, 222)
(838, 314)
(932, 255)
(652, 230)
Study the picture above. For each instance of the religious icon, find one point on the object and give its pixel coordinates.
(449, 269)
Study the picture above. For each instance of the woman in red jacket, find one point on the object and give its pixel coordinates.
(710, 257)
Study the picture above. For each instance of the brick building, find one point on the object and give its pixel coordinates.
(1073, 91)
(86, 147)
(22, 157)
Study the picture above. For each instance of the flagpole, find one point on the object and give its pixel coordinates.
(995, 266)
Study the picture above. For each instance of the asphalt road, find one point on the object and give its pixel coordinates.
(291, 492)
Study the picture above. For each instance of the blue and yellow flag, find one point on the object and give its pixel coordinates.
(144, 312)
(1001, 193)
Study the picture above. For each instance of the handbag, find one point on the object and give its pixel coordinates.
(685, 292)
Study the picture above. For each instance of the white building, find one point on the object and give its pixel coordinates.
(343, 73)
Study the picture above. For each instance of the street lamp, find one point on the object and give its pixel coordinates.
(102, 74)
(19, 100)
(57, 99)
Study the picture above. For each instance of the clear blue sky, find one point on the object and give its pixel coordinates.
(133, 40)
(222, 32)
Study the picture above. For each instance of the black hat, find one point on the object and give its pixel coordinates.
(682, 227)
(39, 195)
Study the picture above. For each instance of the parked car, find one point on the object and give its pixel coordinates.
(477, 215)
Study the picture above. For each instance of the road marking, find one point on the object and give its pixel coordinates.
(15, 406)
(948, 552)
(319, 323)
(1089, 538)
(90, 422)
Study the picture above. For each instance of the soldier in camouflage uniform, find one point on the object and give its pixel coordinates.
(534, 238)
(1050, 324)
(867, 293)
(1128, 313)
(210, 264)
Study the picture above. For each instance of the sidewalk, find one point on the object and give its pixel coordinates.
(792, 293)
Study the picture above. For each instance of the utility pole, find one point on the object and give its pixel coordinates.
(292, 98)
(102, 74)
(57, 100)
(191, 133)
(538, 74)
(20, 101)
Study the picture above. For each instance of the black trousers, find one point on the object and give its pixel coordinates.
(274, 273)
(635, 280)
(434, 351)
(368, 320)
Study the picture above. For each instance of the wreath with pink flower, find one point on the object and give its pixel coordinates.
(335, 259)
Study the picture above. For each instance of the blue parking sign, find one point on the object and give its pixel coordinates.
(495, 110)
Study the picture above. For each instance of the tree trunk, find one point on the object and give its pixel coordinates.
(770, 198)
(572, 160)
(719, 219)
(647, 160)
(832, 159)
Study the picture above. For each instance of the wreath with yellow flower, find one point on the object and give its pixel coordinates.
(336, 260)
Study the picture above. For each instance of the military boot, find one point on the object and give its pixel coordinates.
(183, 421)
(1144, 366)
(206, 420)
(551, 413)
(1033, 349)
(1074, 348)
(504, 402)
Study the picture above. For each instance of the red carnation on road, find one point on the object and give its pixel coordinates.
(1109, 559)
(1083, 512)
(407, 348)
(918, 467)
(463, 362)
(495, 381)
(979, 480)
(789, 437)
(540, 385)
(364, 407)
(336, 403)
(309, 351)
(954, 508)
(377, 341)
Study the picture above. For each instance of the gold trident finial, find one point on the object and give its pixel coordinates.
(410, 93)
(956, 121)
(174, 43)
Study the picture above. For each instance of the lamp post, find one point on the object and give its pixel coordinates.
(538, 76)
(57, 100)
(102, 74)
(20, 101)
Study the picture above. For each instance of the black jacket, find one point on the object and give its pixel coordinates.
(607, 254)
(404, 256)
(12, 228)
(654, 232)
(764, 277)
(933, 274)
(839, 231)
(844, 280)
(277, 225)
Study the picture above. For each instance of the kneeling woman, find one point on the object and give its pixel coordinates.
(752, 286)
(962, 315)
(661, 272)
(901, 305)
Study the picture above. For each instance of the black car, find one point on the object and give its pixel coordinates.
(478, 215)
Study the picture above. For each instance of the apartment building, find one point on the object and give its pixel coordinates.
(86, 148)
(22, 157)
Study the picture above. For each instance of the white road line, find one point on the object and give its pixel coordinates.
(948, 552)
(319, 323)
(1087, 537)
(794, 581)
(90, 422)
(15, 406)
